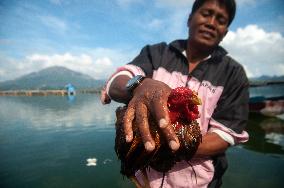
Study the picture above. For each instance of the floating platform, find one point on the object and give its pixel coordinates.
(33, 92)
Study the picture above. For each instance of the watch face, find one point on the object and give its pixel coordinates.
(130, 82)
(133, 82)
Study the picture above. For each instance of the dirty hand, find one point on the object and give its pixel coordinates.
(150, 97)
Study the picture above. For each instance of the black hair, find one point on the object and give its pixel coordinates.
(229, 4)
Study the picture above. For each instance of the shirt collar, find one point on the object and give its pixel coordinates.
(181, 45)
(206, 58)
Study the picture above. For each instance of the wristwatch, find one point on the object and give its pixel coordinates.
(134, 82)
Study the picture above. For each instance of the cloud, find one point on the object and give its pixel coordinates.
(164, 27)
(261, 52)
(54, 23)
(127, 3)
(177, 25)
(56, 2)
(174, 3)
(188, 3)
(245, 2)
(84, 63)
(99, 63)
(155, 24)
(10, 68)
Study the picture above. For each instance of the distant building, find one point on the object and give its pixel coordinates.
(70, 89)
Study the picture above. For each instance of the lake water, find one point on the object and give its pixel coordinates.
(276, 90)
(45, 143)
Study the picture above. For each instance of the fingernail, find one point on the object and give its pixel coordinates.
(163, 123)
(174, 145)
(149, 146)
(128, 138)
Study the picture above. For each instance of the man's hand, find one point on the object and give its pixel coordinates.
(150, 97)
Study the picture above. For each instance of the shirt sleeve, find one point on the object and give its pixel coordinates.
(149, 58)
(230, 117)
(143, 64)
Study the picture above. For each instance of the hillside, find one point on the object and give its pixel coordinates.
(55, 77)
(268, 78)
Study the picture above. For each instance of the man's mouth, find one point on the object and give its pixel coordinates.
(207, 34)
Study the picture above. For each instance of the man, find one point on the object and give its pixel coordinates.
(202, 65)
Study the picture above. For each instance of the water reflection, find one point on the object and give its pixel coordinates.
(49, 141)
(58, 113)
(267, 91)
(53, 112)
(46, 142)
(266, 134)
(71, 98)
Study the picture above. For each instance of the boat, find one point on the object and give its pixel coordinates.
(267, 98)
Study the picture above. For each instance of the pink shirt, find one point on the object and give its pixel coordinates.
(198, 172)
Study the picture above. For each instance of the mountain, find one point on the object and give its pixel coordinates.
(268, 78)
(55, 77)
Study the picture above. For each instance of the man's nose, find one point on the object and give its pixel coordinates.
(211, 22)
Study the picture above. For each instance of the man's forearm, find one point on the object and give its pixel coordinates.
(212, 144)
(117, 90)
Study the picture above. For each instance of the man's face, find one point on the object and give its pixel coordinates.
(208, 25)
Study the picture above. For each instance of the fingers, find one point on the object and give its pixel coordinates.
(141, 114)
(150, 97)
(128, 119)
(171, 137)
(160, 112)
(162, 116)
(143, 125)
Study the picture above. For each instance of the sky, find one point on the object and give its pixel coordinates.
(97, 36)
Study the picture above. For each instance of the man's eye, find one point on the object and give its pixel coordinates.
(222, 21)
(205, 13)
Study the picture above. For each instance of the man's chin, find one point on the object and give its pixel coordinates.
(206, 44)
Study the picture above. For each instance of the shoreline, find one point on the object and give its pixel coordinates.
(57, 92)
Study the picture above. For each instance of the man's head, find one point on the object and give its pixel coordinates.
(229, 4)
(209, 21)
